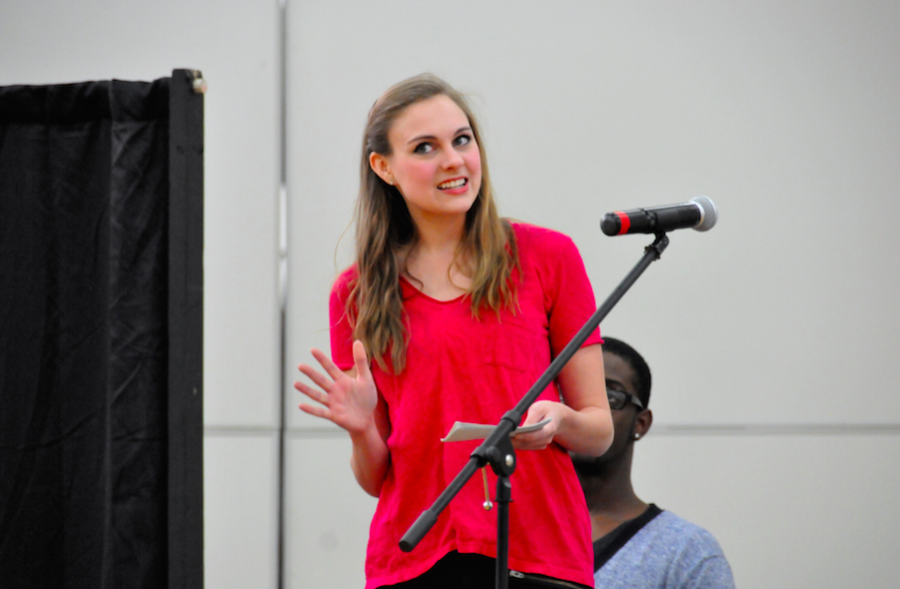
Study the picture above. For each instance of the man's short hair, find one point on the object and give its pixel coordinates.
(637, 363)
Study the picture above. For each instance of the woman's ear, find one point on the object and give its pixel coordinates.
(381, 167)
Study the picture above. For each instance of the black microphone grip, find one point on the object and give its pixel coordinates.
(699, 213)
(647, 221)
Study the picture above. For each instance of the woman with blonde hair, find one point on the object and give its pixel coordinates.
(460, 312)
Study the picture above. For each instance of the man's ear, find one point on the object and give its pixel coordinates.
(642, 423)
(381, 167)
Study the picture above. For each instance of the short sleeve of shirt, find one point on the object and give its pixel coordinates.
(568, 296)
(668, 552)
(341, 330)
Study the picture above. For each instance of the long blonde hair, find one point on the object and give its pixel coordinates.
(384, 227)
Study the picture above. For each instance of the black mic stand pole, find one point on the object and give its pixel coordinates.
(497, 449)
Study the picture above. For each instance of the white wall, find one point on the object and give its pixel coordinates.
(772, 337)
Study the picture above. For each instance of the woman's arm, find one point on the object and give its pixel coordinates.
(583, 424)
(351, 401)
(371, 458)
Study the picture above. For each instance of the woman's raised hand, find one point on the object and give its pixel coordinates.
(347, 399)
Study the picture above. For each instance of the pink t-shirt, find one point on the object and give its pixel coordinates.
(460, 369)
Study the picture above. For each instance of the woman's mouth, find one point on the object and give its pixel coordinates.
(451, 184)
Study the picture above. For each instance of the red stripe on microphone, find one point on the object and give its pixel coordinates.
(624, 222)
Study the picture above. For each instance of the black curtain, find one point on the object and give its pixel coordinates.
(84, 201)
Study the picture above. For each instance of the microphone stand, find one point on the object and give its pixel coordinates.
(497, 449)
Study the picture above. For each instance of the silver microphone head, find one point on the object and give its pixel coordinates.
(708, 213)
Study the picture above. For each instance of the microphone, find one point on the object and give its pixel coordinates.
(698, 213)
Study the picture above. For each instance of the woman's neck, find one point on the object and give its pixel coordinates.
(440, 234)
(435, 261)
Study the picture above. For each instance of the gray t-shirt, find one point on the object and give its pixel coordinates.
(667, 553)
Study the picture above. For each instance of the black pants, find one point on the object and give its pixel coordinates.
(475, 571)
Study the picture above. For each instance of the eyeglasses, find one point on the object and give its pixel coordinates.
(619, 399)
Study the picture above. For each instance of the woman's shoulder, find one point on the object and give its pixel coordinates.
(344, 281)
(533, 238)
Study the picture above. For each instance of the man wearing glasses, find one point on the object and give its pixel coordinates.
(637, 544)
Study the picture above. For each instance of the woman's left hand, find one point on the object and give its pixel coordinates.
(540, 439)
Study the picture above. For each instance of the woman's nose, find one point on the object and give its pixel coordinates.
(452, 159)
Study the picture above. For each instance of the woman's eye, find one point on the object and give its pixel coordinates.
(463, 140)
(424, 148)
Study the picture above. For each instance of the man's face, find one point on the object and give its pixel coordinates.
(622, 377)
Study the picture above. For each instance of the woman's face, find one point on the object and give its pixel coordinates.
(435, 162)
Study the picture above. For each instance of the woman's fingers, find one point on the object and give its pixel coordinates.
(361, 360)
(348, 400)
(539, 439)
(536, 440)
(322, 412)
(330, 367)
(539, 411)
(317, 377)
(315, 394)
